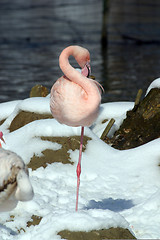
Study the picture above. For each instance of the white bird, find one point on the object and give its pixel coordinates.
(14, 180)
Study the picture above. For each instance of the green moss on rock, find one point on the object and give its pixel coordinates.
(39, 91)
(111, 233)
(2, 121)
(60, 155)
(24, 118)
(141, 124)
(35, 220)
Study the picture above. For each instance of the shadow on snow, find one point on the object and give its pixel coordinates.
(115, 205)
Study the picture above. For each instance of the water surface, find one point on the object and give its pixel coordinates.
(33, 34)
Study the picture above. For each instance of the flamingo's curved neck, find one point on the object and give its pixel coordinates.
(71, 73)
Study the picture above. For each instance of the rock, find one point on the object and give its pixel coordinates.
(111, 233)
(61, 155)
(49, 156)
(2, 121)
(24, 118)
(35, 220)
(141, 124)
(39, 91)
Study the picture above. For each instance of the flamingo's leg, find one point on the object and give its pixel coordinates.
(79, 167)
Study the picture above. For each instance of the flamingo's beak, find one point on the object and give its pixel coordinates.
(86, 70)
(89, 68)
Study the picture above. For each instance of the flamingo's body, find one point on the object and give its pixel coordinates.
(75, 98)
(14, 181)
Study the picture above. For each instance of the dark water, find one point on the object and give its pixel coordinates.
(33, 34)
(134, 46)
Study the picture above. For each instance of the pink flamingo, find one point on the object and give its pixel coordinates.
(75, 98)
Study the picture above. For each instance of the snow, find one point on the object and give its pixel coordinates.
(7, 108)
(118, 187)
(154, 84)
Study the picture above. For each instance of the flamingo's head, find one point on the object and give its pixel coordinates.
(86, 70)
(82, 56)
(1, 137)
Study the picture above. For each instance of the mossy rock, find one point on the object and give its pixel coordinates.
(141, 125)
(49, 156)
(24, 117)
(104, 121)
(2, 121)
(111, 233)
(39, 91)
(35, 220)
(60, 155)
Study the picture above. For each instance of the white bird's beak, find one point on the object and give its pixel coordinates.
(1, 137)
(3, 140)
